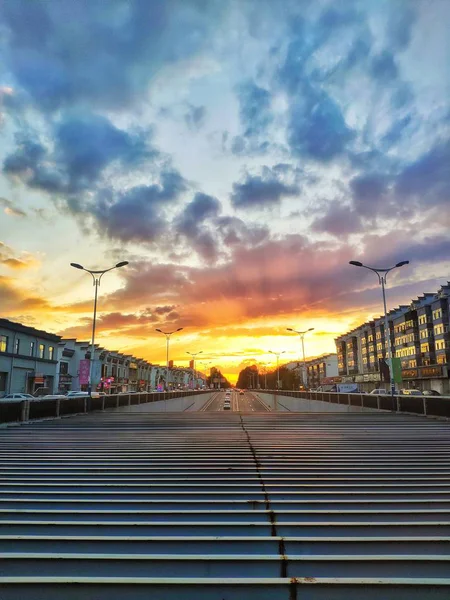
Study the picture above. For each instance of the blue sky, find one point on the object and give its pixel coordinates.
(238, 154)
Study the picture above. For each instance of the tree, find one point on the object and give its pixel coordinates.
(215, 373)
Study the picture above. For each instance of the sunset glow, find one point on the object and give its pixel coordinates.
(237, 155)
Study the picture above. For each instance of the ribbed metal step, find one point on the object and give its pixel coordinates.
(225, 506)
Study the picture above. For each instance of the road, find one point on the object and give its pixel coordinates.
(247, 403)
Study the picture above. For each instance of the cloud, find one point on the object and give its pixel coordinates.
(138, 214)
(256, 116)
(97, 53)
(11, 209)
(338, 220)
(317, 127)
(260, 191)
(195, 116)
(427, 179)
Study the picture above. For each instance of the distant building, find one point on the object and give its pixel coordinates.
(419, 336)
(28, 358)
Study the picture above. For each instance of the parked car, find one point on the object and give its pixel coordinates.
(407, 392)
(17, 396)
(379, 391)
(431, 393)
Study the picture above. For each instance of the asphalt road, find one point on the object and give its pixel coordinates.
(247, 403)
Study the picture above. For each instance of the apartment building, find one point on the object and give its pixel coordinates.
(419, 336)
(321, 367)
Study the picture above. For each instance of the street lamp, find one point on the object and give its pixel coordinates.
(96, 278)
(277, 354)
(194, 354)
(168, 334)
(302, 337)
(206, 365)
(382, 275)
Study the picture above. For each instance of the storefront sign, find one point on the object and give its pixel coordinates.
(431, 371)
(410, 373)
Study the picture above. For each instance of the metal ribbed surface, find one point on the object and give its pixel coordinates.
(225, 506)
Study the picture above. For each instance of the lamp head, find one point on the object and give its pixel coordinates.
(311, 329)
(121, 264)
(179, 329)
(289, 329)
(77, 266)
(402, 263)
(355, 263)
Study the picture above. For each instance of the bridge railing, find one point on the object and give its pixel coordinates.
(26, 410)
(435, 406)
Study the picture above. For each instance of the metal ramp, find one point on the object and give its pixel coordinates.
(225, 507)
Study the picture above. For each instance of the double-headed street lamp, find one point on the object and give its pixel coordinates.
(194, 354)
(96, 277)
(168, 334)
(278, 354)
(382, 274)
(302, 337)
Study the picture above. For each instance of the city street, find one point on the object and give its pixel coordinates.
(247, 403)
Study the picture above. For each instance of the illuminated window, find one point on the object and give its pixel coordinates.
(3, 343)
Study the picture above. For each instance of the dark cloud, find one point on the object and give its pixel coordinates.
(339, 220)
(383, 67)
(83, 147)
(254, 110)
(195, 116)
(317, 127)
(86, 144)
(259, 191)
(368, 191)
(139, 213)
(12, 209)
(65, 53)
(191, 224)
(427, 179)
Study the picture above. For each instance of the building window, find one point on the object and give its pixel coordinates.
(437, 314)
(16, 346)
(41, 350)
(3, 343)
(51, 353)
(441, 359)
(31, 348)
(63, 368)
(425, 347)
(424, 333)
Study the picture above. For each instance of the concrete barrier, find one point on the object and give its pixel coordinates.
(177, 404)
(282, 403)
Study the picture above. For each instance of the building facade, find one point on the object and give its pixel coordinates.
(28, 358)
(321, 367)
(419, 336)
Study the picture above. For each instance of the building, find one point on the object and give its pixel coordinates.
(419, 337)
(28, 358)
(321, 367)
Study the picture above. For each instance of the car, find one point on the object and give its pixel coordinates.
(18, 396)
(379, 391)
(407, 392)
(431, 393)
(241, 393)
(226, 407)
(76, 394)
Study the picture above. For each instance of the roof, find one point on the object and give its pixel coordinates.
(13, 326)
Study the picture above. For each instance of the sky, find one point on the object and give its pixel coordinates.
(237, 153)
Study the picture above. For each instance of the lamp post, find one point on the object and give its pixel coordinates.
(382, 275)
(96, 278)
(302, 337)
(205, 365)
(168, 334)
(194, 354)
(277, 354)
